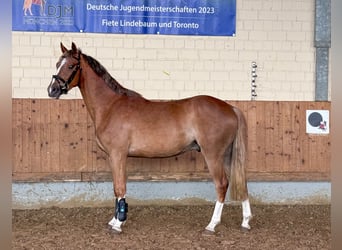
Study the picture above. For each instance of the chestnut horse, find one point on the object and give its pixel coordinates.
(127, 124)
(28, 5)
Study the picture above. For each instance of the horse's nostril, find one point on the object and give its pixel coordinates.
(53, 91)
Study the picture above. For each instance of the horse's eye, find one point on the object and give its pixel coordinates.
(71, 66)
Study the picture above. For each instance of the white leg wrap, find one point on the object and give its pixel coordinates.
(246, 214)
(216, 218)
(117, 226)
(115, 223)
(112, 222)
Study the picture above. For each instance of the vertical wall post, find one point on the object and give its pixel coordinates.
(322, 43)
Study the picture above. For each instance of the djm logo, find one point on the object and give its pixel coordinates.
(59, 11)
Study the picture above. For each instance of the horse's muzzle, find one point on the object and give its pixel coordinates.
(54, 90)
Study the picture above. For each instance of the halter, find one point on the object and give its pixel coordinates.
(65, 86)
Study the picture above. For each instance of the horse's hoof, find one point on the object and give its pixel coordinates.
(245, 229)
(114, 230)
(208, 232)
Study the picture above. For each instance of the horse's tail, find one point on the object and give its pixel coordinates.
(238, 161)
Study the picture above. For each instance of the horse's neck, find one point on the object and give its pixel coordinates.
(97, 96)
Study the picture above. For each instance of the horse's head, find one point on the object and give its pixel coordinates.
(68, 72)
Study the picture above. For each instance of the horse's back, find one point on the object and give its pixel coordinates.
(186, 112)
(199, 103)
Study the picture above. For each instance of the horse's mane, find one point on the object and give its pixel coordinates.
(109, 80)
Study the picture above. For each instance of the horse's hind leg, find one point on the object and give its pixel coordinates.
(216, 217)
(246, 215)
(221, 185)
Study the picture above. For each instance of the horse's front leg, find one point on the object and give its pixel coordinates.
(118, 166)
(120, 215)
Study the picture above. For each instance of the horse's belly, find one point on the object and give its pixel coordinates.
(161, 147)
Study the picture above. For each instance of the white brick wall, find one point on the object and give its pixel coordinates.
(277, 34)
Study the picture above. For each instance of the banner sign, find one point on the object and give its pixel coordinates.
(169, 17)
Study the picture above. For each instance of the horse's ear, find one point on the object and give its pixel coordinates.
(63, 49)
(74, 49)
